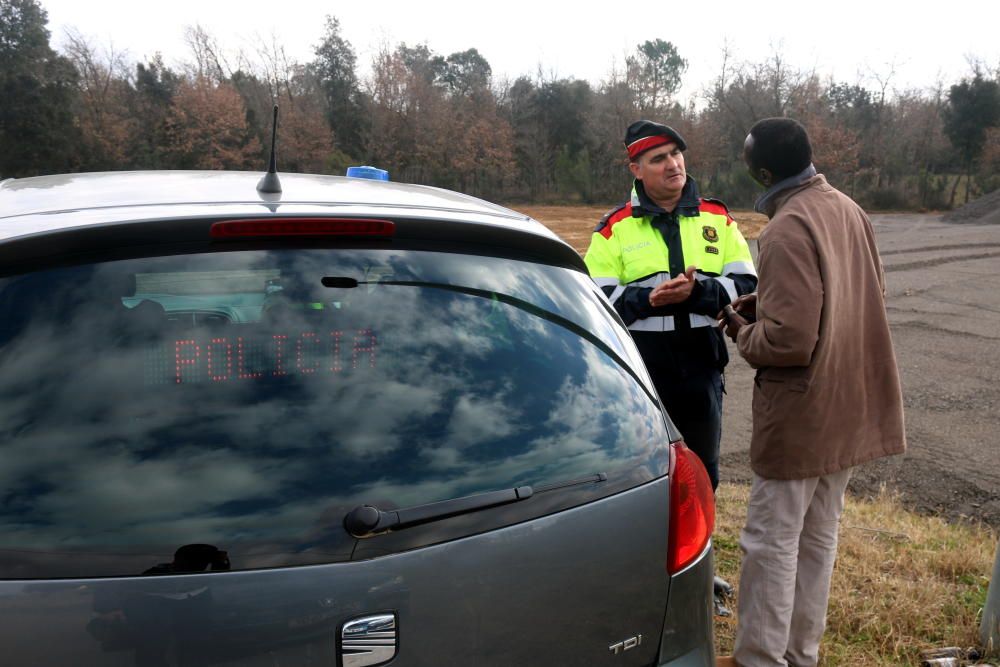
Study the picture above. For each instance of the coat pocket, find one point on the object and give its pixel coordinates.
(772, 380)
(776, 392)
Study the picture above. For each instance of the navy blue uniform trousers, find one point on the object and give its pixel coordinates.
(694, 403)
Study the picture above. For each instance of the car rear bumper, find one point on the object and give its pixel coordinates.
(688, 634)
(699, 657)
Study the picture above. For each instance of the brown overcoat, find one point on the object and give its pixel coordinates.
(827, 395)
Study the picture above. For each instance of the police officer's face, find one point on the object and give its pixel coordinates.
(661, 171)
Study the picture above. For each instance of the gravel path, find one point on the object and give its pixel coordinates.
(943, 300)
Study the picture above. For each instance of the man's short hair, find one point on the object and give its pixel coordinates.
(780, 145)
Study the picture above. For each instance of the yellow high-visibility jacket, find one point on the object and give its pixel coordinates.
(639, 245)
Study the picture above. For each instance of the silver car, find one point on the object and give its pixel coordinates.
(344, 424)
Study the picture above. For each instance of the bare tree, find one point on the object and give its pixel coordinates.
(209, 60)
(103, 115)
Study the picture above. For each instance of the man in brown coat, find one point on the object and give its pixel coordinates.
(826, 396)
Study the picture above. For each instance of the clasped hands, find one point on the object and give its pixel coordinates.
(675, 290)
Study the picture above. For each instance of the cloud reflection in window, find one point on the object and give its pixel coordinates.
(452, 394)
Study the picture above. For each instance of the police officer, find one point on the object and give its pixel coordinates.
(670, 261)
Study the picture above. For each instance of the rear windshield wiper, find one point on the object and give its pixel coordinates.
(367, 520)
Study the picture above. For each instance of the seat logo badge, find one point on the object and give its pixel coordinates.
(368, 641)
(626, 645)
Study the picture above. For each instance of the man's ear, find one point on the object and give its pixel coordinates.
(765, 177)
(634, 168)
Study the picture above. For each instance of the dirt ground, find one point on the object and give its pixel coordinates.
(943, 283)
(575, 224)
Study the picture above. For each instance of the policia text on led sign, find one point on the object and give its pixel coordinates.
(236, 358)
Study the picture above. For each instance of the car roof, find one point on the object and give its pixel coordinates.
(137, 194)
(46, 205)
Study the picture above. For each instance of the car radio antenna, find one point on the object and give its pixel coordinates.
(270, 183)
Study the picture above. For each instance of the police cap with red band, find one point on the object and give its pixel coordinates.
(642, 135)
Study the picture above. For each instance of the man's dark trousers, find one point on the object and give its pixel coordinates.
(694, 403)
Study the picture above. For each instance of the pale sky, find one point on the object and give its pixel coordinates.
(855, 41)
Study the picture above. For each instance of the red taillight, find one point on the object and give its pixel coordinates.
(302, 227)
(692, 508)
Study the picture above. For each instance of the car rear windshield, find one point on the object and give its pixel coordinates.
(230, 408)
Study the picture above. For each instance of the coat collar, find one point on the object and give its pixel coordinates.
(765, 203)
(688, 204)
(782, 197)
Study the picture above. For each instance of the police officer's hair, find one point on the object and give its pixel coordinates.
(780, 145)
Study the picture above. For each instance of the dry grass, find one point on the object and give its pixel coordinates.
(903, 583)
(575, 224)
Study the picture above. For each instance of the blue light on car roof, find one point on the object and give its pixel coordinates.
(373, 173)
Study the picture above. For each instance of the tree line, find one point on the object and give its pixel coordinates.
(445, 120)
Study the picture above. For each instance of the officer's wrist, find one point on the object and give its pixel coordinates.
(646, 300)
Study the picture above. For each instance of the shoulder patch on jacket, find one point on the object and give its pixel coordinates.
(611, 217)
(716, 206)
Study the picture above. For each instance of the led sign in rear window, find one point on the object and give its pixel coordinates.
(249, 400)
(236, 358)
